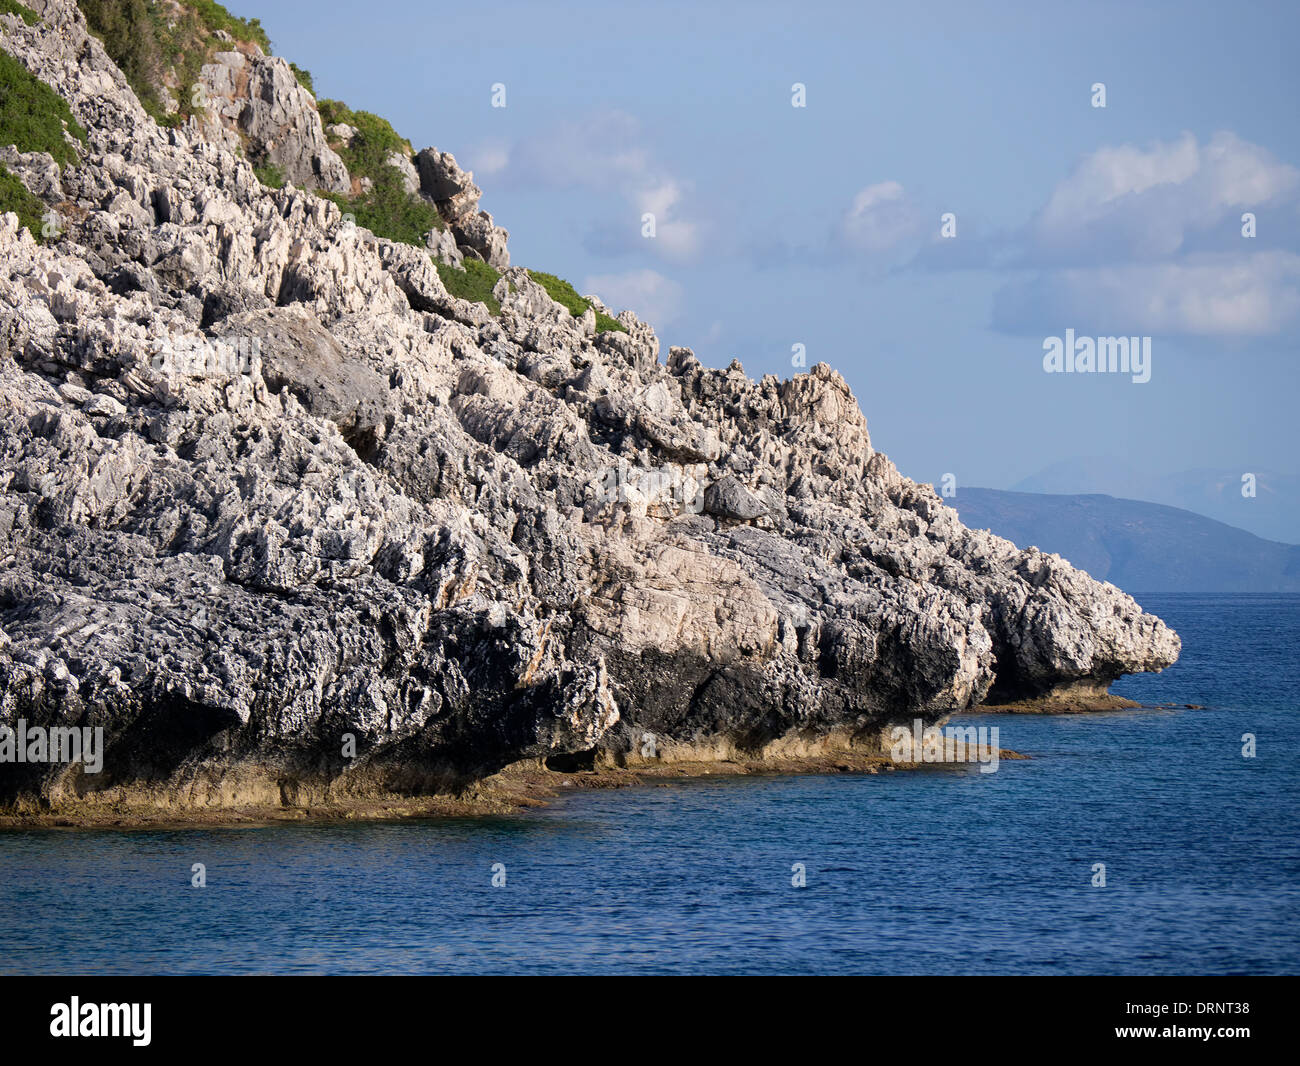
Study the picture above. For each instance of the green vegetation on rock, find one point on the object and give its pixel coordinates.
(32, 115)
(475, 282)
(12, 7)
(215, 17)
(304, 77)
(387, 209)
(15, 197)
(270, 175)
(563, 293)
(605, 323)
(374, 142)
(160, 46)
(134, 39)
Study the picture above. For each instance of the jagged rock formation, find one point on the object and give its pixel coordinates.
(256, 98)
(454, 193)
(266, 485)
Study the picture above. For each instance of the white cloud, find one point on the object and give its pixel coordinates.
(879, 219)
(1148, 241)
(884, 226)
(489, 159)
(674, 235)
(1215, 295)
(653, 297)
(1126, 203)
(606, 151)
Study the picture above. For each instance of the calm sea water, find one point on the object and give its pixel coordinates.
(944, 871)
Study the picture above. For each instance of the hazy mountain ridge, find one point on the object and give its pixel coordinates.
(1272, 512)
(1139, 546)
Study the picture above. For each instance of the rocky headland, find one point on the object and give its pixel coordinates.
(309, 498)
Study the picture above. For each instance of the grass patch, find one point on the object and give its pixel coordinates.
(475, 282)
(566, 295)
(387, 210)
(15, 197)
(270, 175)
(12, 7)
(161, 48)
(32, 115)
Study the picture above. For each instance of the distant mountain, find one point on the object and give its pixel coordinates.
(1141, 547)
(1273, 512)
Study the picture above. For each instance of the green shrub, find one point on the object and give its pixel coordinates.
(606, 323)
(565, 294)
(15, 197)
(387, 210)
(304, 78)
(270, 175)
(32, 115)
(475, 282)
(375, 140)
(12, 7)
(157, 45)
(215, 17)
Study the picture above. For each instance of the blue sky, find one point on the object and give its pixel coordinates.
(778, 225)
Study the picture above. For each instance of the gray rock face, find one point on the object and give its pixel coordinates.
(410, 179)
(454, 193)
(398, 543)
(257, 97)
(728, 498)
(299, 355)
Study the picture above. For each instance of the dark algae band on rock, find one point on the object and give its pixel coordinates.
(294, 524)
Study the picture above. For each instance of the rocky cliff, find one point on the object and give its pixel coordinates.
(290, 520)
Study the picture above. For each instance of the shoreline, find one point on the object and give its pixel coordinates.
(1057, 704)
(524, 786)
(513, 790)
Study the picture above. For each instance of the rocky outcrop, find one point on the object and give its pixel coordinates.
(454, 193)
(255, 99)
(287, 520)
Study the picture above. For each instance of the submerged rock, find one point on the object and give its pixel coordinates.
(398, 542)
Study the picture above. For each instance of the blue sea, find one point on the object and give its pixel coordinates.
(945, 871)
